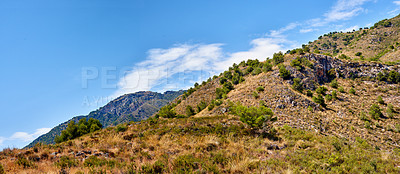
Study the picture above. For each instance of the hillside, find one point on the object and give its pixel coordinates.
(300, 112)
(130, 107)
(380, 42)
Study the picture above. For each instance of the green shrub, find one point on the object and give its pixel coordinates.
(367, 125)
(25, 163)
(352, 91)
(319, 100)
(296, 64)
(76, 130)
(284, 73)
(267, 67)
(278, 58)
(202, 105)
(380, 100)
(334, 84)
(167, 111)
(260, 88)
(363, 117)
(309, 93)
(255, 95)
(334, 95)
(186, 164)
(328, 97)
(121, 128)
(211, 106)
(66, 162)
(189, 111)
(297, 85)
(321, 90)
(358, 54)
(375, 112)
(253, 116)
(390, 111)
(341, 90)
(2, 171)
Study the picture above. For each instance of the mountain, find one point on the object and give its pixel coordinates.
(129, 107)
(304, 111)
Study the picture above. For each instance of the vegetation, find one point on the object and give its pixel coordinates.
(278, 58)
(319, 100)
(380, 100)
(284, 73)
(256, 118)
(352, 91)
(375, 112)
(297, 85)
(321, 90)
(76, 130)
(189, 111)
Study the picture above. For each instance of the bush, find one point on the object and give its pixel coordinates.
(328, 97)
(25, 163)
(358, 54)
(341, 90)
(334, 95)
(76, 130)
(66, 162)
(167, 111)
(211, 106)
(278, 58)
(186, 164)
(352, 91)
(255, 117)
(390, 111)
(297, 85)
(121, 128)
(260, 88)
(2, 171)
(321, 90)
(284, 73)
(255, 95)
(319, 100)
(202, 105)
(309, 93)
(189, 111)
(334, 84)
(380, 100)
(375, 112)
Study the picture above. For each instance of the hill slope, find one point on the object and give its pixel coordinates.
(327, 115)
(130, 107)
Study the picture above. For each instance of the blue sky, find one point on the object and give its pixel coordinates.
(61, 59)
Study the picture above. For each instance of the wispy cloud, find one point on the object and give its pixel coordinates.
(344, 10)
(164, 65)
(26, 137)
(395, 11)
(306, 30)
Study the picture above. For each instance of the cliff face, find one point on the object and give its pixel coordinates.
(129, 107)
(326, 68)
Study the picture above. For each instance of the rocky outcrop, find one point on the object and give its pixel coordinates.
(326, 68)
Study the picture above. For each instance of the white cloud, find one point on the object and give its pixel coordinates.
(306, 30)
(161, 64)
(395, 11)
(278, 33)
(26, 137)
(396, 2)
(344, 10)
